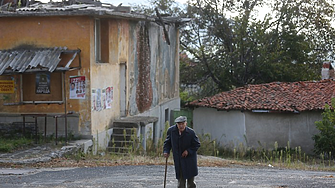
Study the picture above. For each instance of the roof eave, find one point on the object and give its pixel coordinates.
(94, 13)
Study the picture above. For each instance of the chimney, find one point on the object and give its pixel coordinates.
(327, 71)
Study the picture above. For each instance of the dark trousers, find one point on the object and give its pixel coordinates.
(182, 182)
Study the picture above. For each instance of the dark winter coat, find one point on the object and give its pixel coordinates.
(189, 141)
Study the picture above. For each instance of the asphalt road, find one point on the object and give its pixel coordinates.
(153, 177)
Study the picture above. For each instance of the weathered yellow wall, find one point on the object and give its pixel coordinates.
(46, 32)
(108, 74)
(28, 83)
(152, 64)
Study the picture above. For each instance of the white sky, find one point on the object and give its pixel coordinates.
(130, 2)
(261, 13)
(124, 2)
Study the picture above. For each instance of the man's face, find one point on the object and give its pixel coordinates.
(181, 126)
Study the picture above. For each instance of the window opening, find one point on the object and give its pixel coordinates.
(101, 40)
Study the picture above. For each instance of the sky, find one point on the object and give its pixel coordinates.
(261, 12)
(145, 2)
(124, 2)
(130, 2)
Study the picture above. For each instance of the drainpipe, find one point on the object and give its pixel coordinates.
(65, 101)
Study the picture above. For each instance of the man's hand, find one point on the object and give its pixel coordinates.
(166, 155)
(184, 154)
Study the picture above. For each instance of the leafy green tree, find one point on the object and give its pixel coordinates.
(241, 49)
(228, 46)
(165, 7)
(325, 140)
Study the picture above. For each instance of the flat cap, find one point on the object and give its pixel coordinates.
(180, 119)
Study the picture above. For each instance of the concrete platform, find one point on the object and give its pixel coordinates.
(45, 152)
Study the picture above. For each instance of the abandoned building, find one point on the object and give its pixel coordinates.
(87, 68)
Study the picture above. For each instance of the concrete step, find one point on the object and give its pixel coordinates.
(120, 143)
(125, 124)
(120, 130)
(119, 149)
(121, 138)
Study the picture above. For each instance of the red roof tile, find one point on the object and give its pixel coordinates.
(276, 96)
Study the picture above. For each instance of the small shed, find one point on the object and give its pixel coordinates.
(260, 115)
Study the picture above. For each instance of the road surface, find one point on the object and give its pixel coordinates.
(153, 177)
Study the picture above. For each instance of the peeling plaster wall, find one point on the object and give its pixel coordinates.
(151, 79)
(227, 128)
(108, 74)
(152, 82)
(268, 128)
(152, 66)
(144, 84)
(154, 76)
(153, 73)
(234, 127)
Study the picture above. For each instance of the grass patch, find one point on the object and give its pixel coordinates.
(210, 154)
(8, 145)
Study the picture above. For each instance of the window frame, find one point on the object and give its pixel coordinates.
(101, 40)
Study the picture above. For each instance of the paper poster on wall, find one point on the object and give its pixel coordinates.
(109, 97)
(77, 87)
(42, 83)
(94, 99)
(6, 86)
(98, 101)
(103, 98)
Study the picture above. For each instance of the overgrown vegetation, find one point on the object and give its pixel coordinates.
(280, 157)
(325, 140)
(8, 145)
(283, 157)
(14, 140)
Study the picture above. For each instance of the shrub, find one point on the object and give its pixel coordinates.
(208, 146)
(325, 140)
(9, 145)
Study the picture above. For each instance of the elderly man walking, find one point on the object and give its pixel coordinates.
(184, 144)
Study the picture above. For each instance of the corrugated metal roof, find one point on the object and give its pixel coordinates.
(20, 60)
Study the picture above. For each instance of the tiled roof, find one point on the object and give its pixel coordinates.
(275, 96)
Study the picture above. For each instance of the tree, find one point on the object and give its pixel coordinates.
(325, 140)
(166, 7)
(229, 46)
(241, 49)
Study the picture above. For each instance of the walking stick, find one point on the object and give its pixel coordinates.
(165, 171)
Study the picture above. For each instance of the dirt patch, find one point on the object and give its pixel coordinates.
(110, 160)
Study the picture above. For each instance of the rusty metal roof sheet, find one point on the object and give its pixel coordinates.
(21, 60)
